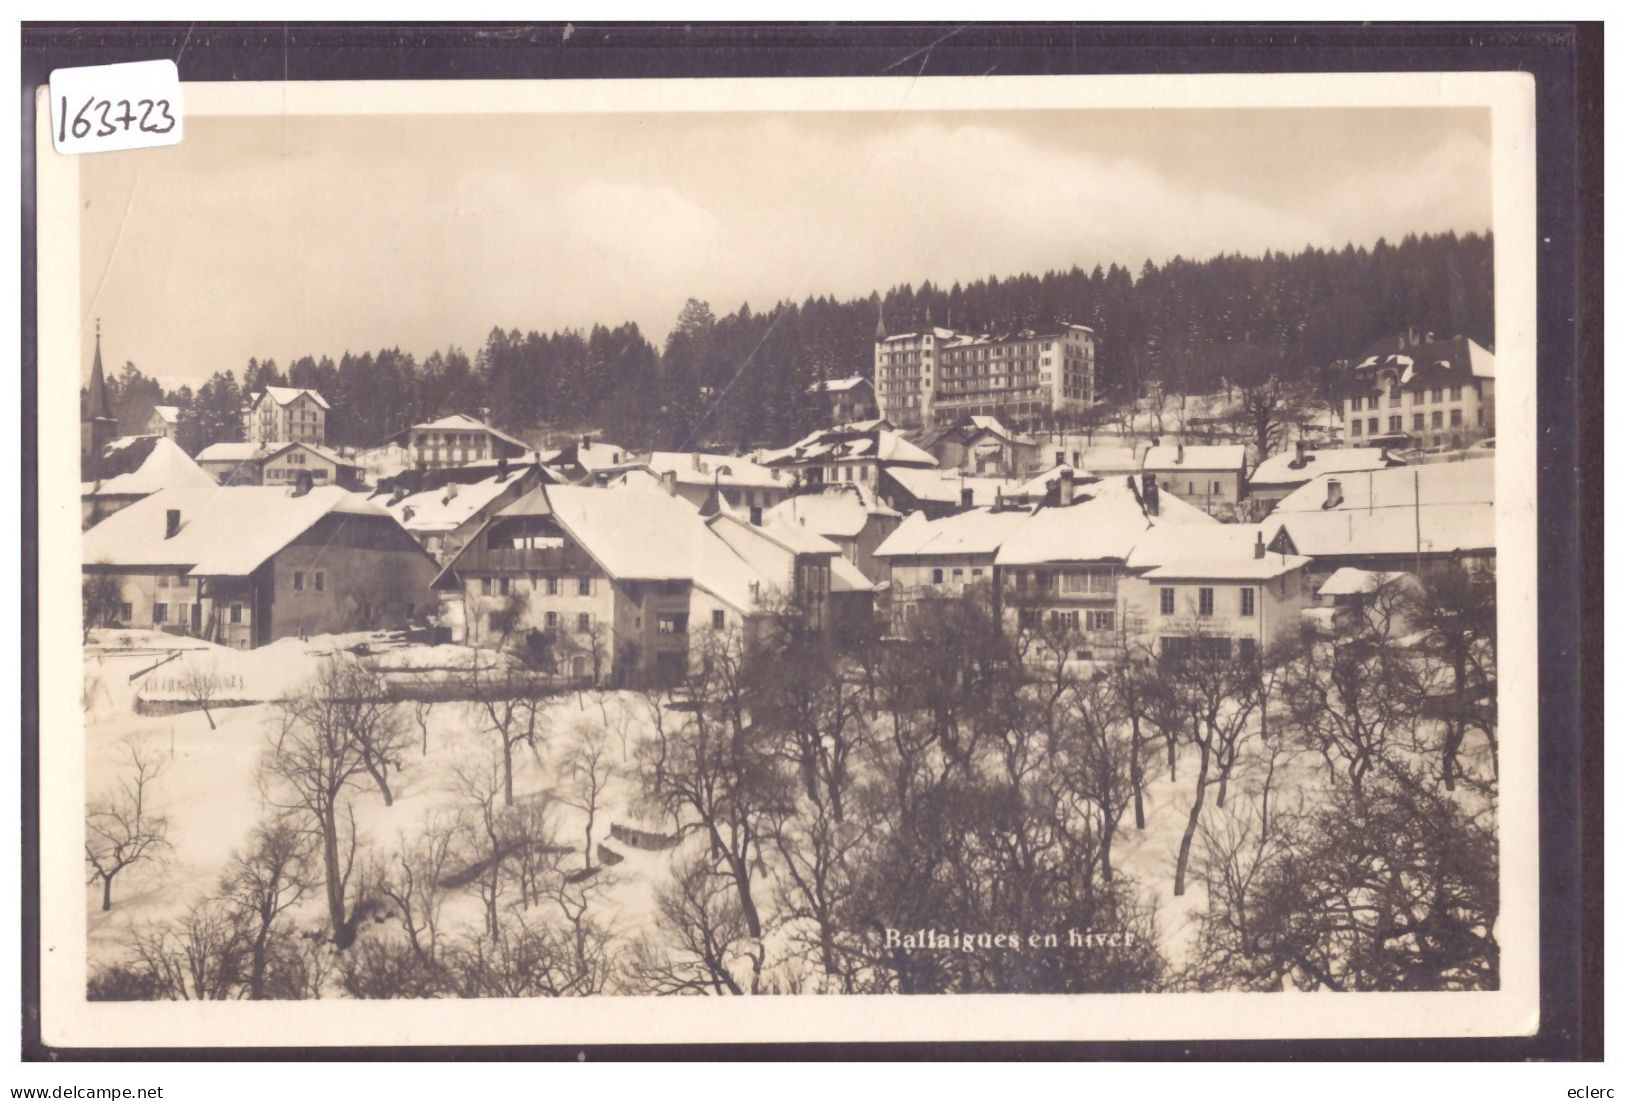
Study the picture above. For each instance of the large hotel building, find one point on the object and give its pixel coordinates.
(939, 376)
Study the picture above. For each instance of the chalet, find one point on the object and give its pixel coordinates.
(246, 565)
(1410, 518)
(609, 584)
(1067, 575)
(1213, 477)
(849, 515)
(823, 590)
(1279, 475)
(454, 440)
(283, 465)
(856, 453)
(163, 421)
(133, 467)
(285, 414)
(1222, 593)
(850, 399)
(693, 475)
(442, 509)
(983, 446)
(1412, 390)
(235, 463)
(951, 555)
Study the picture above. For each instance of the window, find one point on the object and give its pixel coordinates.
(1393, 393)
(1356, 403)
(1438, 418)
(236, 615)
(1247, 596)
(1455, 393)
(1249, 649)
(958, 573)
(1167, 601)
(125, 613)
(321, 581)
(1101, 620)
(552, 586)
(298, 581)
(1355, 426)
(1216, 489)
(584, 622)
(1371, 426)
(1455, 418)
(1216, 648)
(550, 621)
(584, 586)
(1204, 602)
(1438, 393)
(1396, 424)
(936, 577)
(485, 586)
(976, 571)
(1419, 421)
(719, 620)
(160, 612)
(671, 623)
(502, 586)
(1481, 418)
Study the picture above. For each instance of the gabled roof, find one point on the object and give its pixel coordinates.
(706, 468)
(169, 414)
(948, 486)
(1430, 508)
(841, 510)
(227, 531)
(1221, 456)
(1223, 552)
(1282, 469)
(838, 385)
(863, 439)
(978, 531)
(462, 422)
(1348, 581)
(287, 395)
(146, 464)
(447, 507)
(327, 453)
(1466, 482)
(232, 452)
(1449, 362)
(1104, 523)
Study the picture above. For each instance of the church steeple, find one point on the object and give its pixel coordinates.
(880, 319)
(98, 425)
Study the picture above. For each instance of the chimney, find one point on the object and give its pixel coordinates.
(1066, 486)
(1149, 492)
(302, 484)
(1334, 493)
(451, 493)
(585, 443)
(407, 513)
(668, 478)
(1300, 460)
(172, 523)
(967, 497)
(1179, 453)
(502, 467)
(698, 465)
(1258, 544)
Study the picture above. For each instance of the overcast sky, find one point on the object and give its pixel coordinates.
(275, 237)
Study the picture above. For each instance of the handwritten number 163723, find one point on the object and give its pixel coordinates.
(149, 116)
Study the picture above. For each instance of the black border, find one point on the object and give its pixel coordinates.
(1566, 63)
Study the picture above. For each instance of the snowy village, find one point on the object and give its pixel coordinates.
(977, 662)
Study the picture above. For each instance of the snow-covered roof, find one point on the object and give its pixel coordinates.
(858, 440)
(1222, 552)
(838, 385)
(1105, 522)
(839, 511)
(1348, 581)
(287, 395)
(977, 531)
(226, 531)
(845, 577)
(165, 467)
(1039, 484)
(1281, 470)
(232, 452)
(447, 507)
(946, 486)
(645, 534)
(1382, 511)
(706, 468)
(169, 414)
(1211, 456)
(462, 422)
(325, 452)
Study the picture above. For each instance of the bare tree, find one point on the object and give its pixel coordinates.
(272, 877)
(699, 915)
(511, 702)
(121, 829)
(1456, 610)
(101, 595)
(202, 684)
(586, 770)
(196, 957)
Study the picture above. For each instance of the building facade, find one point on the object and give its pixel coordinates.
(455, 441)
(1411, 390)
(285, 414)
